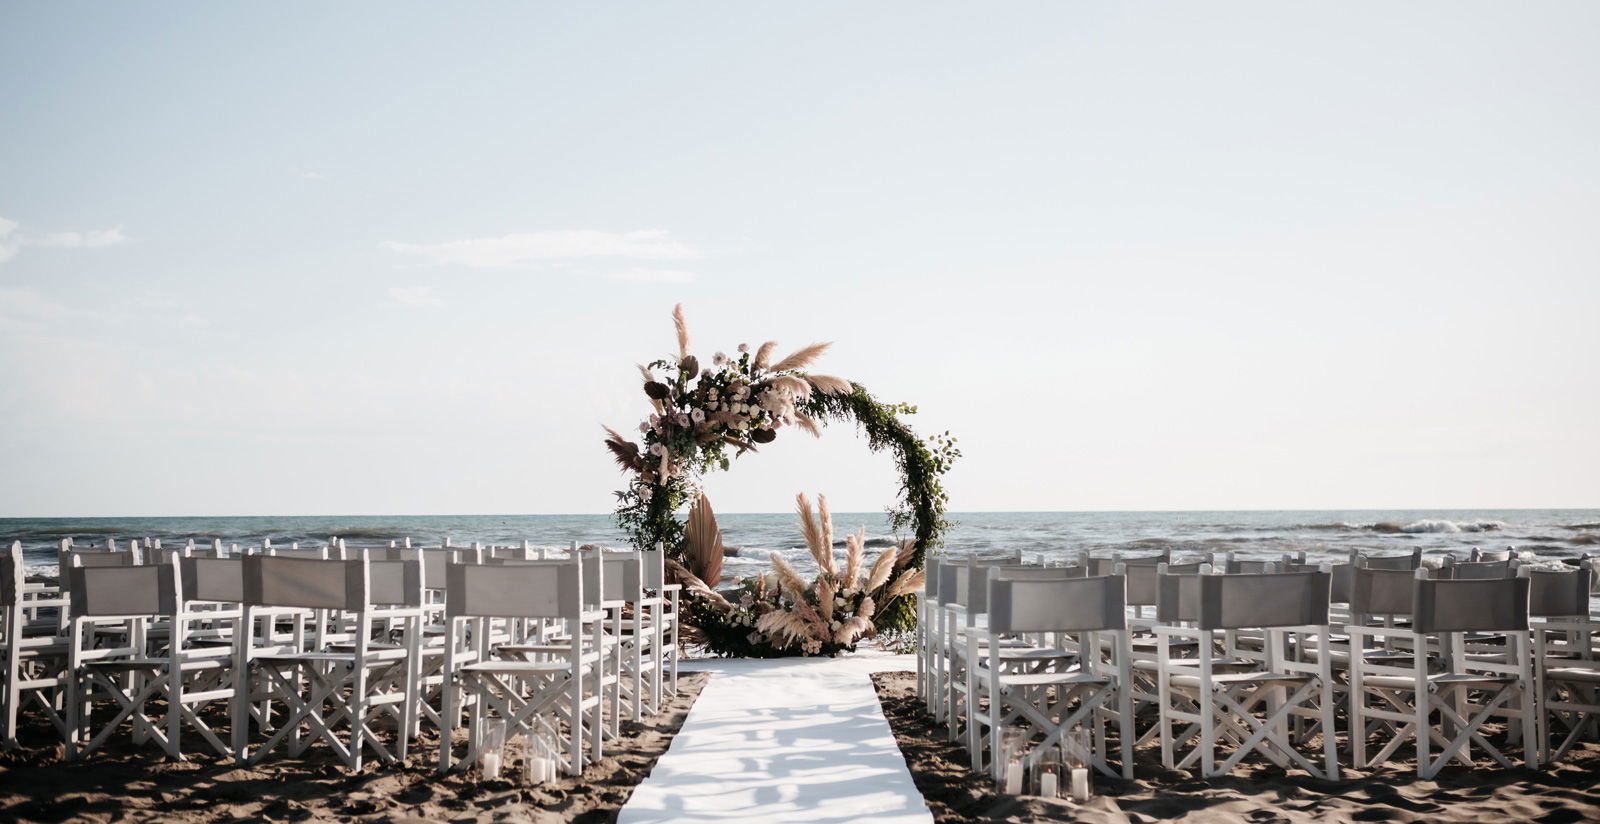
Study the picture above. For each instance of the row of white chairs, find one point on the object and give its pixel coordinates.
(293, 650)
(1215, 667)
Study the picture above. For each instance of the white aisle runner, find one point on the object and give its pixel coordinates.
(798, 740)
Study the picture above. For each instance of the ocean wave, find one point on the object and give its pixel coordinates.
(1583, 526)
(1430, 525)
(1584, 540)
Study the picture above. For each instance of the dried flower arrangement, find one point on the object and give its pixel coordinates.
(780, 613)
(703, 416)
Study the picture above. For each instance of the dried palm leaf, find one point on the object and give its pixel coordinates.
(881, 569)
(696, 585)
(683, 331)
(625, 452)
(909, 581)
(830, 385)
(824, 598)
(805, 422)
(854, 546)
(645, 372)
(763, 354)
(800, 359)
(788, 579)
(705, 541)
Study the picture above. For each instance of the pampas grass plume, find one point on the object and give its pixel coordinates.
(799, 359)
(788, 579)
(683, 331)
(881, 569)
(763, 355)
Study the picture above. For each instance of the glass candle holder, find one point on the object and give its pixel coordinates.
(1014, 744)
(1047, 781)
(492, 756)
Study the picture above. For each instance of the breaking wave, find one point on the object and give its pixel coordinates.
(1431, 525)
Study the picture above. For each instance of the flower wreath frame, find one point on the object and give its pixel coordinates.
(669, 467)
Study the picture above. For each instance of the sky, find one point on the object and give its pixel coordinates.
(401, 258)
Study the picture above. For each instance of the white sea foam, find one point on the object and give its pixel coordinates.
(1432, 525)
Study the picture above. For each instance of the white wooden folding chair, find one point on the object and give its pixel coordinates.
(1086, 613)
(661, 603)
(562, 685)
(1018, 653)
(927, 603)
(1567, 672)
(187, 669)
(333, 694)
(1466, 690)
(35, 657)
(1250, 710)
(127, 601)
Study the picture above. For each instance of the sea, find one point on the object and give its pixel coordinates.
(1543, 534)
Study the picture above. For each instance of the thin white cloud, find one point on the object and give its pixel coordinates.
(8, 248)
(415, 295)
(82, 240)
(641, 275)
(12, 241)
(23, 307)
(310, 175)
(507, 250)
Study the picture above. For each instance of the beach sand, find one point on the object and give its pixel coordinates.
(1569, 792)
(124, 783)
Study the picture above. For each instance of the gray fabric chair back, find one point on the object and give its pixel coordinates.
(1493, 554)
(953, 584)
(1480, 570)
(537, 589)
(100, 558)
(11, 576)
(1553, 594)
(653, 565)
(1411, 561)
(1343, 579)
(213, 579)
(1142, 589)
(1099, 567)
(981, 576)
(123, 591)
(1264, 601)
(312, 552)
(1382, 591)
(1178, 598)
(1494, 605)
(624, 577)
(307, 583)
(1058, 605)
(397, 583)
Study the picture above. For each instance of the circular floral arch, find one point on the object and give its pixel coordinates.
(705, 416)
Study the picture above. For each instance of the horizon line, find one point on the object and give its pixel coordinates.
(840, 512)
